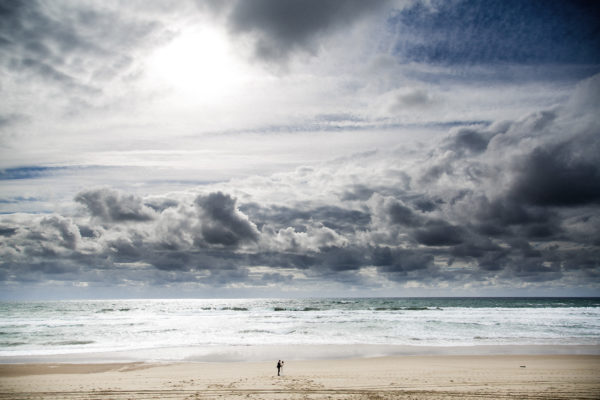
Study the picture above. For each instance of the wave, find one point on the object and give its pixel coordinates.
(12, 344)
(13, 326)
(69, 343)
(405, 308)
(256, 331)
(158, 331)
(107, 310)
(457, 323)
(71, 326)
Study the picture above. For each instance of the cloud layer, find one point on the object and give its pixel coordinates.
(369, 148)
(511, 204)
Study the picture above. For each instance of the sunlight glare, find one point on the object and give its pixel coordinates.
(198, 64)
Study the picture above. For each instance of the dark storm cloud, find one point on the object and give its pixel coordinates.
(439, 233)
(491, 32)
(400, 261)
(113, 206)
(221, 223)
(425, 204)
(87, 231)
(7, 231)
(565, 174)
(326, 262)
(501, 213)
(476, 247)
(342, 259)
(585, 260)
(41, 245)
(533, 270)
(524, 248)
(401, 265)
(403, 215)
(281, 27)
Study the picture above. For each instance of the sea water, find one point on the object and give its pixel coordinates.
(178, 329)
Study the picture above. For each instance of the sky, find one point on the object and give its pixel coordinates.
(267, 148)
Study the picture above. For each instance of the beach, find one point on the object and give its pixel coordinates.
(371, 348)
(398, 377)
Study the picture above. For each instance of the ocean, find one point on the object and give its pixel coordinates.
(209, 330)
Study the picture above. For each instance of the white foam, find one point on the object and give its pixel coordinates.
(150, 326)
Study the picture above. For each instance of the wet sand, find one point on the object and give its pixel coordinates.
(401, 377)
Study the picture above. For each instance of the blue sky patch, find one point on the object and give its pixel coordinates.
(511, 31)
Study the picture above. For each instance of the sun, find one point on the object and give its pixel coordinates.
(198, 64)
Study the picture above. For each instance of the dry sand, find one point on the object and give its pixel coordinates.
(409, 377)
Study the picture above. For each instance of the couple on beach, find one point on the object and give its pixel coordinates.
(279, 367)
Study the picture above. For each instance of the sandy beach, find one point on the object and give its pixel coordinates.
(406, 377)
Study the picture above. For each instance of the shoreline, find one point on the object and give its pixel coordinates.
(302, 352)
(431, 377)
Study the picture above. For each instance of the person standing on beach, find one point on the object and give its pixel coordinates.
(278, 367)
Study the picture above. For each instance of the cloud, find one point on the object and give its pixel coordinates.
(402, 265)
(68, 58)
(7, 231)
(280, 28)
(221, 222)
(312, 239)
(160, 204)
(439, 233)
(389, 212)
(563, 174)
(68, 233)
(403, 215)
(303, 216)
(113, 206)
(500, 216)
(411, 99)
(46, 40)
(468, 140)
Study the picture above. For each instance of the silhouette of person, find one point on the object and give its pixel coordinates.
(279, 367)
